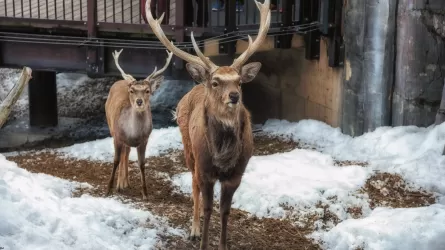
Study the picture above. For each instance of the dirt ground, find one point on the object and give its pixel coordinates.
(245, 232)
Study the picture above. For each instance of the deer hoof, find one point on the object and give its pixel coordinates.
(194, 234)
(194, 237)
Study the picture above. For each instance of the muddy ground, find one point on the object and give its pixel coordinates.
(245, 232)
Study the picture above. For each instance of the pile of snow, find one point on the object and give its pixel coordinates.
(414, 153)
(160, 140)
(38, 212)
(300, 178)
(420, 228)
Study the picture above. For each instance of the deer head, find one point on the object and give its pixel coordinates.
(140, 91)
(223, 84)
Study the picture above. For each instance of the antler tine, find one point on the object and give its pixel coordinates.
(158, 72)
(157, 30)
(116, 55)
(264, 28)
(206, 60)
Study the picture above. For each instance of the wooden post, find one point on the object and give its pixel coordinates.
(13, 95)
(42, 93)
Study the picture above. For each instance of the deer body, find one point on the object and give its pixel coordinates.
(130, 121)
(214, 124)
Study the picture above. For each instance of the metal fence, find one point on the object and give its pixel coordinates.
(208, 14)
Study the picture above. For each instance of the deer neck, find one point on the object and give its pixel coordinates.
(224, 139)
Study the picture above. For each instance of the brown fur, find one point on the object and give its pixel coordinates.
(130, 126)
(218, 144)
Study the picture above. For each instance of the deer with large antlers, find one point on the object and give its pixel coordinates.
(215, 126)
(129, 119)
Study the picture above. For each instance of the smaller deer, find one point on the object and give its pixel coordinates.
(129, 119)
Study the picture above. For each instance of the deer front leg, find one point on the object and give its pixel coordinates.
(228, 188)
(122, 177)
(195, 233)
(141, 161)
(117, 159)
(207, 196)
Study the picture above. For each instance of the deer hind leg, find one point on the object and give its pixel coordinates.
(122, 178)
(195, 232)
(117, 159)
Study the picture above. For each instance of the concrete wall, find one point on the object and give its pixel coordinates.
(293, 88)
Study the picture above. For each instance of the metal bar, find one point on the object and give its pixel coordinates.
(105, 11)
(217, 14)
(247, 12)
(81, 17)
(63, 7)
(230, 24)
(30, 9)
(122, 9)
(13, 8)
(6, 8)
(55, 9)
(179, 31)
(21, 6)
(38, 9)
(47, 9)
(285, 41)
(254, 16)
(94, 65)
(114, 12)
(131, 11)
(72, 9)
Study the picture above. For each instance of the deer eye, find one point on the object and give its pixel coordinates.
(147, 91)
(131, 91)
(214, 84)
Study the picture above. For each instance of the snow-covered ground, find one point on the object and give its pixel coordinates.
(37, 211)
(303, 178)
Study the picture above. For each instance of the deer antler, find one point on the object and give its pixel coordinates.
(116, 55)
(264, 28)
(158, 72)
(157, 30)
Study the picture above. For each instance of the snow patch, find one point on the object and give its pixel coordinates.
(420, 228)
(300, 179)
(38, 212)
(414, 153)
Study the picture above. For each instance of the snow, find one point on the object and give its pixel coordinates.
(304, 178)
(38, 212)
(160, 140)
(414, 153)
(420, 228)
(300, 178)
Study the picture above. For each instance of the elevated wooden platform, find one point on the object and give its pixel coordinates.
(113, 11)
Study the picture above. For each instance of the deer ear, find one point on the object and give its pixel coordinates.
(156, 82)
(249, 71)
(197, 72)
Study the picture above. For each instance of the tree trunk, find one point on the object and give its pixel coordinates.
(13, 95)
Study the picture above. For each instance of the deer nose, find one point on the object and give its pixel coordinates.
(139, 102)
(234, 97)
